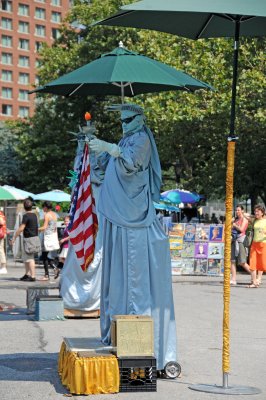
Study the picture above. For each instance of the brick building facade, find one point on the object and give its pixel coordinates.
(24, 26)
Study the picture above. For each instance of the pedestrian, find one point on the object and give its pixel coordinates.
(3, 269)
(50, 237)
(214, 219)
(64, 242)
(136, 270)
(31, 242)
(257, 258)
(238, 251)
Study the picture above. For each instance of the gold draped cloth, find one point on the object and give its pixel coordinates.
(88, 375)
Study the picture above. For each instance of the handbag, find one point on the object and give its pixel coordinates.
(51, 242)
(248, 238)
(32, 245)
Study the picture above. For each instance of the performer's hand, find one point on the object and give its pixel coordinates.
(100, 146)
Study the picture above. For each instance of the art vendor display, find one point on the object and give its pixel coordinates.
(196, 249)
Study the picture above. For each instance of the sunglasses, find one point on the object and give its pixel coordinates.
(128, 120)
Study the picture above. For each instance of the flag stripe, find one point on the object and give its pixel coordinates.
(83, 223)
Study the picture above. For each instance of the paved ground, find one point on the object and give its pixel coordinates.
(29, 349)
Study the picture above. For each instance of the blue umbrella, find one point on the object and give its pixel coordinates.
(178, 196)
(166, 207)
(54, 195)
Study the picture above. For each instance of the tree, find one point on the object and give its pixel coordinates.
(190, 129)
(9, 165)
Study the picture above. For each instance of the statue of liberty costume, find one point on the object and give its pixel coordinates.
(81, 290)
(136, 269)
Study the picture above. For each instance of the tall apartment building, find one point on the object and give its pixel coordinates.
(25, 26)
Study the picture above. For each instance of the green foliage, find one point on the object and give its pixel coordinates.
(190, 129)
(9, 165)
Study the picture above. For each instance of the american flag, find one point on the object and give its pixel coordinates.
(83, 219)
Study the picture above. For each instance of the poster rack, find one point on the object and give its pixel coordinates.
(196, 249)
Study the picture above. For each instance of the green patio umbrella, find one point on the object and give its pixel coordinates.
(12, 193)
(122, 72)
(197, 19)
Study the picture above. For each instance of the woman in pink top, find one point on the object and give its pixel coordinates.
(238, 251)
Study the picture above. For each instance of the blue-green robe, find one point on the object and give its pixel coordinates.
(136, 269)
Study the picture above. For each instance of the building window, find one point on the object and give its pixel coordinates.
(23, 95)
(23, 112)
(23, 27)
(37, 80)
(39, 13)
(6, 41)
(6, 23)
(24, 78)
(7, 93)
(24, 61)
(23, 9)
(55, 33)
(56, 3)
(37, 63)
(38, 46)
(6, 5)
(7, 76)
(24, 44)
(56, 16)
(40, 30)
(6, 109)
(6, 58)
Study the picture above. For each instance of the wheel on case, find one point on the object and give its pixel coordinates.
(172, 369)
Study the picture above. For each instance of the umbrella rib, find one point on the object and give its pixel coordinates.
(205, 26)
(225, 16)
(117, 84)
(131, 88)
(77, 88)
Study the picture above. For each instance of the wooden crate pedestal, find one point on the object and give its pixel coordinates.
(132, 335)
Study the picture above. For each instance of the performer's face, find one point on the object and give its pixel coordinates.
(131, 121)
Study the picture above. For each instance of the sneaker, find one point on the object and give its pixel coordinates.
(233, 283)
(24, 277)
(3, 270)
(56, 273)
(29, 279)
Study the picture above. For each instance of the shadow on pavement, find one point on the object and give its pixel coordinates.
(31, 367)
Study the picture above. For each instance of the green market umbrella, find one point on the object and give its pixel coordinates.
(122, 72)
(12, 193)
(198, 19)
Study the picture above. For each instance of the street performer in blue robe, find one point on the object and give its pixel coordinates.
(136, 268)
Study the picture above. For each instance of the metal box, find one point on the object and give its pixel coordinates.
(132, 335)
(49, 308)
(137, 374)
(32, 294)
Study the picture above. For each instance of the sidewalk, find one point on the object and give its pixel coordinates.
(29, 348)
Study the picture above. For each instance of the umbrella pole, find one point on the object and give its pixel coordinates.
(234, 82)
(122, 93)
(225, 388)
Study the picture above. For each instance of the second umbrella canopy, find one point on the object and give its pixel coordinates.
(122, 72)
(53, 195)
